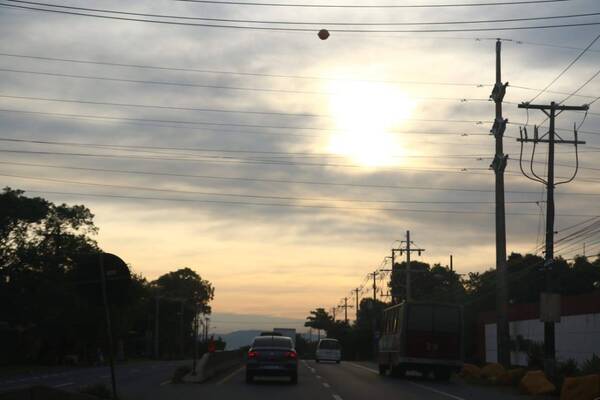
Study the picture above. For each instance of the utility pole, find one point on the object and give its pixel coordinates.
(356, 292)
(549, 301)
(182, 334)
(111, 358)
(499, 165)
(451, 263)
(374, 275)
(156, 325)
(346, 307)
(333, 312)
(395, 297)
(409, 250)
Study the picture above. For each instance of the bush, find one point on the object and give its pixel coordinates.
(565, 369)
(535, 355)
(179, 373)
(591, 366)
(99, 390)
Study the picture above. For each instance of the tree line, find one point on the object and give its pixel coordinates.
(476, 291)
(50, 315)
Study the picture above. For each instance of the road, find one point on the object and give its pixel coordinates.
(136, 380)
(345, 381)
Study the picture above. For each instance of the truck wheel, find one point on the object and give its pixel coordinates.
(383, 369)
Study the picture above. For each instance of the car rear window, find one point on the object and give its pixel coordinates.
(329, 345)
(273, 341)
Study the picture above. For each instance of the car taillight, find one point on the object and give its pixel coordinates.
(252, 354)
(291, 354)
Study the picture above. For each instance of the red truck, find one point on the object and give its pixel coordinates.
(421, 336)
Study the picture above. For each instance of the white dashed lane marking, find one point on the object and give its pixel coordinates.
(325, 384)
(337, 397)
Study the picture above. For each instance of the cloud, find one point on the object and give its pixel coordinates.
(271, 259)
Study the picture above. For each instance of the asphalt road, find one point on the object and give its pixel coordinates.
(345, 381)
(136, 380)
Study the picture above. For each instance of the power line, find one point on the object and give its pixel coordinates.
(266, 180)
(203, 109)
(323, 23)
(238, 203)
(480, 4)
(243, 195)
(581, 54)
(210, 123)
(277, 28)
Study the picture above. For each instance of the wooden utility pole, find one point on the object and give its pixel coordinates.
(357, 293)
(499, 165)
(346, 307)
(549, 301)
(374, 274)
(409, 250)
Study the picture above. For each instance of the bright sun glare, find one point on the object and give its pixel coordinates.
(365, 114)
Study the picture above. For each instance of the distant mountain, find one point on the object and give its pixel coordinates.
(237, 339)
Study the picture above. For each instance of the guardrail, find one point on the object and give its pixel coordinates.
(213, 364)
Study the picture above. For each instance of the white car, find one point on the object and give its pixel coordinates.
(328, 350)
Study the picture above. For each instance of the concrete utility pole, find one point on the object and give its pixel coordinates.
(550, 298)
(333, 312)
(409, 250)
(451, 263)
(357, 293)
(499, 165)
(111, 358)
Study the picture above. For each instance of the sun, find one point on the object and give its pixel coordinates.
(365, 113)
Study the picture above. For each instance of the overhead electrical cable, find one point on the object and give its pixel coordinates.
(325, 5)
(287, 29)
(318, 23)
(288, 205)
(282, 181)
(244, 195)
(568, 67)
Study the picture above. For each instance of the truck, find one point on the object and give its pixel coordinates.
(289, 332)
(422, 336)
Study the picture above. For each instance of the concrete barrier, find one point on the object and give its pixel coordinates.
(213, 364)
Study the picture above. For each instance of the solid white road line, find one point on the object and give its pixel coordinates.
(413, 383)
(337, 397)
(64, 384)
(231, 375)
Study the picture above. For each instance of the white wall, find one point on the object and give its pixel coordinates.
(577, 337)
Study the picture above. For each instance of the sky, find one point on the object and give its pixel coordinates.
(283, 168)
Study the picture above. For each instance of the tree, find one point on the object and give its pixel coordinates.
(319, 319)
(428, 283)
